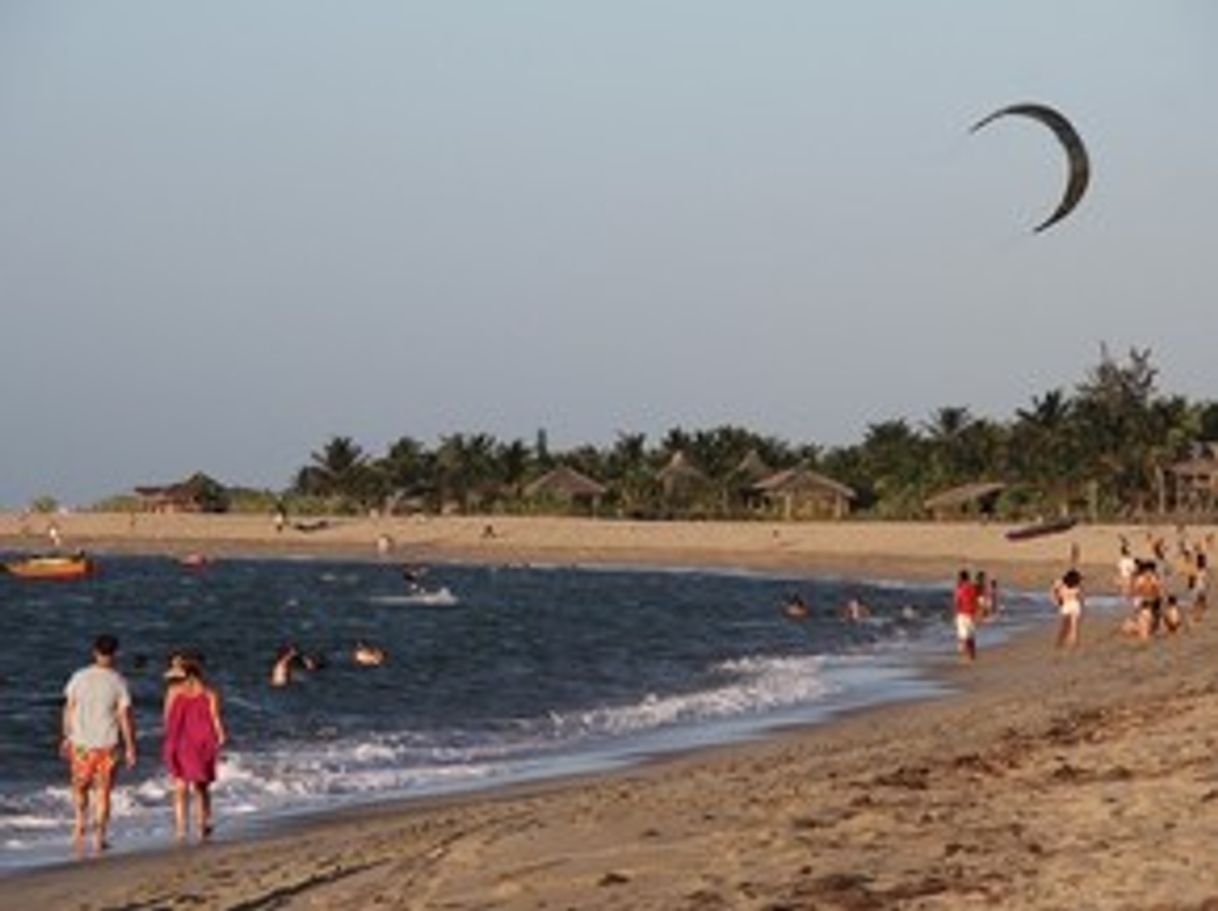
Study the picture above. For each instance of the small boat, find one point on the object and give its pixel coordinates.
(1053, 526)
(195, 560)
(76, 566)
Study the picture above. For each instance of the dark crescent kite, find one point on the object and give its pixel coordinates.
(1076, 153)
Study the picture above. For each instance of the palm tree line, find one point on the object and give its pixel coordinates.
(1104, 447)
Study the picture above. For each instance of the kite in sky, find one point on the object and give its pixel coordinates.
(1076, 153)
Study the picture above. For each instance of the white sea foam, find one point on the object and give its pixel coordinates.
(437, 597)
(754, 684)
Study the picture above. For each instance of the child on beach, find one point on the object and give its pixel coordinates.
(1068, 596)
(965, 603)
(194, 733)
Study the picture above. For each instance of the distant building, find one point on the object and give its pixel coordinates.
(1195, 480)
(198, 493)
(801, 493)
(567, 486)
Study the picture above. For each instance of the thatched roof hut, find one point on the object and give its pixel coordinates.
(198, 493)
(978, 496)
(566, 484)
(1196, 480)
(752, 468)
(803, 492)
(680, 474)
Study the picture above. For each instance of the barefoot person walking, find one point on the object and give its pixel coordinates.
(194, 733)
(967, 608)
(97, 711)
(1068, 596)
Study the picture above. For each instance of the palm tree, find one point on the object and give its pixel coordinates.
(340, 469)
(627, 464)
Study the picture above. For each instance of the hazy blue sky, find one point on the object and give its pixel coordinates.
(229, 230)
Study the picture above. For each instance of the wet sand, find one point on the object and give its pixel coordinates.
(903, 550)
(1047, 780)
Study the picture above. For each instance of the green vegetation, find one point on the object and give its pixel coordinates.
(1102, 449)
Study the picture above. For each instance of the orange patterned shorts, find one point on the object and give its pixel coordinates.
(93, 766)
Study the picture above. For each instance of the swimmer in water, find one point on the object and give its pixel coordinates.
(855, 610)
(795, 607)
(366, 655)
(281, 670)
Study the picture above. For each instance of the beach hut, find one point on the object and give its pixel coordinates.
(742, 480)
(800, 492)
(1195, 480)
(198, 493)
(680, 475)
(568, 486)
(977, 498)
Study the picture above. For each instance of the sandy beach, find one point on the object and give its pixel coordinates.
(908, 550)
(1046, 780)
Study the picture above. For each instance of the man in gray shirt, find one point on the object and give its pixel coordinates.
(97, 712)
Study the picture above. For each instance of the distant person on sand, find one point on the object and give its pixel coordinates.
(1068, 596)
(194, 733)
(1127, 567)
(1173, 617)
(1198, 583)
(965, 603)
(982, 584)
(96, 714)
(1147, 593)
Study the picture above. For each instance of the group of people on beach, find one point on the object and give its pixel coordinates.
(97, 717)
(1152, 585)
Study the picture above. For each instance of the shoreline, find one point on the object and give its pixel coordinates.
(916, 551)
(1042, 780)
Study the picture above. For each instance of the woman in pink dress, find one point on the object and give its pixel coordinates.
(194, 733)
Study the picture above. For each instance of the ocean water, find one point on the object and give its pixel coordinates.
(495, 675)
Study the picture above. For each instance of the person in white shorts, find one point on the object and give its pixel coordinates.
(1068, 596)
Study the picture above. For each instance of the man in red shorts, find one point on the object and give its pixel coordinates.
(967, 608)
(96, 713)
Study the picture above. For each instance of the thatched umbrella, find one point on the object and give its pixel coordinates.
(979, 494)
(803, 486)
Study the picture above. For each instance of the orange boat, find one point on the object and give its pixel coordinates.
(51, 567)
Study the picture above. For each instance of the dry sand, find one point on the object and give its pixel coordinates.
(873, 549)
(1048, 780)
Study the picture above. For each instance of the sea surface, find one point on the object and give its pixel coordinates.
(493, 675)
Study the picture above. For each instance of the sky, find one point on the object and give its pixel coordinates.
(230, 230)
